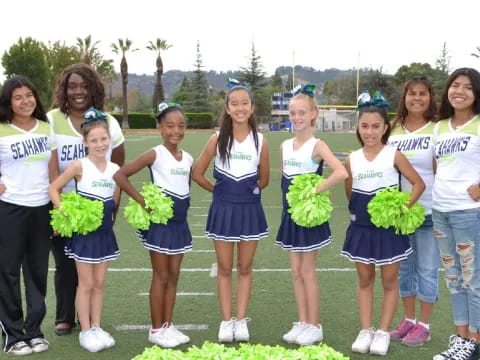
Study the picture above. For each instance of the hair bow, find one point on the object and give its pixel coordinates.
(232, 83)
(164, 106)
(307, 89)
(93, 114)
(378, 100)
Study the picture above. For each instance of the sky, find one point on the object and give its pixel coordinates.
(321, 34)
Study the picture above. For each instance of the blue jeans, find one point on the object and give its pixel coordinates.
(418, 274)
(458, 235)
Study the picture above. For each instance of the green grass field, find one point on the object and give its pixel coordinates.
(272, 307)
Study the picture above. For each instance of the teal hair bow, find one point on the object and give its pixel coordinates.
(233, 83)
(307, 89)
(378, 100)
(164, 106)
(93, 114)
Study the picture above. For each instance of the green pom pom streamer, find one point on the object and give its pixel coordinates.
(307, 207)
(160, 205)
(76, 214)
(388, 208)
(245, 351)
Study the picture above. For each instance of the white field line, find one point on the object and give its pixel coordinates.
(214, 265)
(126, 327)
(184, 294)
(202, 251)
(213, 270)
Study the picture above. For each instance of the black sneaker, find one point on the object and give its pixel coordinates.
(455, 344)
(469, 351)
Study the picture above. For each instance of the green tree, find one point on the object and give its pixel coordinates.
(157, 46)
(477, 54)
(28, 58)
(340, 91)
(87, 48)
(198, 90)
(181, 95)
(289, 84)
(276, 82)
(253, 74)
(443, 61)
(59, 56)
(406, 72)
(122, 47)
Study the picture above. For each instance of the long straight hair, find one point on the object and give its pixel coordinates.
(225, 136)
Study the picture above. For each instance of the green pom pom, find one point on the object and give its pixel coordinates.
(245, 351)
(388, 208)
(76, 214)
(159, 204)
(307, 207)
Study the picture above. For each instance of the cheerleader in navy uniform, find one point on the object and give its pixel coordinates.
(374, 167)
(236, 214)
(304, 154)
(169, 169)
(94, 180)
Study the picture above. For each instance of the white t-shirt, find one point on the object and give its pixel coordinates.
(70, 141)
(418, 148)
(458, 164)
(24, 159)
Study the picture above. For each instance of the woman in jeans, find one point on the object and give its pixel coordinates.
(456, 207)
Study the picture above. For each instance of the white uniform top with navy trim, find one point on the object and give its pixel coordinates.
(236, 179)
(24, 159)
(458, 164)
(95, 184)
(418, 148)
(297, 162)
(368, 177)
(173, 176)
(70, 141)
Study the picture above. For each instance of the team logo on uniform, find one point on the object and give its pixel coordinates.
(256, 191)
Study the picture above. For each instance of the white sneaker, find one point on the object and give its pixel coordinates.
(182, 338)
(310, 335)
(297, 329)
(39, 345)
(240, 330)
(380, 343)
(225, 332)
(363, 341)
(90, 341)
(105, 337)
(456, 343)
(163, 338)
(20, 348)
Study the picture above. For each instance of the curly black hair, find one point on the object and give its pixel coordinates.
(96, 89)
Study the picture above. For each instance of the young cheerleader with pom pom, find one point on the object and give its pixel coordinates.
(374, 167)
(305, 154)
(236, 214)
(93, 177)
(169, 167)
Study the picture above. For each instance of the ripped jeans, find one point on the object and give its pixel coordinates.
(458, 235)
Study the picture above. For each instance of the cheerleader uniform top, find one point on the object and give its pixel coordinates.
(236, 179)
(457, 152)
(368, 177)
(173, 176)
(97, 185)
(297, 162)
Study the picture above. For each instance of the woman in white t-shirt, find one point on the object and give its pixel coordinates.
(456, 207)
(28, 160)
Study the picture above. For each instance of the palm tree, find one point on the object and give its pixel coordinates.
(478, 51)
(121, 48)
(156, 46)
(87, 49)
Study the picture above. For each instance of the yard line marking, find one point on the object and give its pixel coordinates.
(184, 294)
(203, 215)
(199, 236)
(215, 265)
(213, 270)
(198, 207)
(203, 251)
(126, 327)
